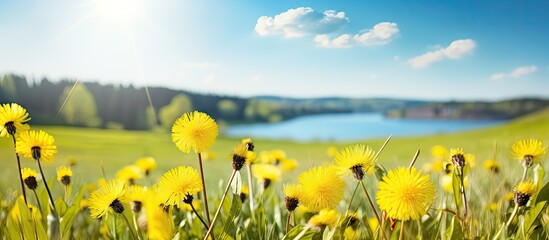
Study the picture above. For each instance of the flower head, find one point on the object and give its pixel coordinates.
(136, 195)
(492, 166)
(266, 173)
(320, 187)
(146, 164)
(439, 151)
(288, 164)
(240, 152)
(160, 224)
(36, 145)
(29, 177)
(326, 217)
(356, 159)
(331, 151)
(129, 174)
(178, 183)
(523, 191)
(107, 199)
(528, 151)
(64, 175)
(244, 193)
(457, 157)
(249, 144)
(291, 192)
(251, 158)
(405, 194)
(195, 130)
(13, 119)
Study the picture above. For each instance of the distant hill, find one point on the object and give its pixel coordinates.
(506, 109)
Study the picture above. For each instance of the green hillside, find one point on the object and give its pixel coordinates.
(116, 148)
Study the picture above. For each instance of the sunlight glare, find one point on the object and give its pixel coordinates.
(121, 12)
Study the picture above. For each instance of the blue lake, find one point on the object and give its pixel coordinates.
(351, 126)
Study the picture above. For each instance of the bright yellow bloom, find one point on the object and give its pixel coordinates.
(266, 173)
(16, 213)
(439, 151)
(33, 145)
(64, 175)
(438, 165)
(355, 159)
(272, 157)
(532, 149)
(29, 178)
(187, 207)
(405, 194)
(324, 218)
(288, 164)
(251, 158)
(208, 155)
(108, 199)
(195, 130)
(84, 203)
(320, 188)
(159, 222)
(13, 119)
(146, 164)
(331, 151)
(470, 159)
(249, 144)
(447, 180)
(129, 174)
(240, 152)
(136, 196)
(291, 193)
(523, 192)
(178, 183)
(492, 165)
(493, 207)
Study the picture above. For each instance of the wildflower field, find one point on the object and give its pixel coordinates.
(191, 183)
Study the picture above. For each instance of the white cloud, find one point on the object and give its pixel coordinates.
(199, 65)
(517, 73)
(381, 34)
(455, 50)
(324, 40)
(301, 21)
(257, 78)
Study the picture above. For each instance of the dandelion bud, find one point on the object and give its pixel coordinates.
(239, 156)
(117, 206)
(10, 127)
(64, 175)
(523, 192)
(136, 206)
(29, 177)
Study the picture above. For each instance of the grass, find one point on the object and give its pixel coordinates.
(113, 149)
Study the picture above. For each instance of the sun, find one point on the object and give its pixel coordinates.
(123, 13)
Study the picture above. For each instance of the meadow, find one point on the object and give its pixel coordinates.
(96, 150)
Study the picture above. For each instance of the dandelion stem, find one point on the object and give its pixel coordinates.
(288, 221)
(204, 187)
(401, 229)
(352, 197)
(37, 200)
(210, 229)
(511, 218)
(129, 226)
(463, 196)
(134, 218)
(370, 201)
(198, 215)
(47, 188)
(19, 168)
(250, 188)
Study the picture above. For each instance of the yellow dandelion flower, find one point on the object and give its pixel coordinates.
(64, 175)
(457, 157)
(16, 213)
(492, 166)
(373, 223)
(251, 158)
(272, 157)
(244, 193)
(528, 151)
(240, 151)
(146, 164)
(266, 173)
(136, 195)
(405, 194)
(439, 151)
(355, 159)
(320, 188)
(84, 203)
(324, 218)
(36, 145)
(159, 222)
(249, 144)
(446, 182)
(178, 183)
(288, 164)
(438, 165)
(29, 178)
(13, 119)
(493, 207)
(208, 155)
(331, 151)
(523, 192)
(129, 174)
(107, 199)
(195, 130)
(291, 193)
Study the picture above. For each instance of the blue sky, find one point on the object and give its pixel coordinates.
(429, 50)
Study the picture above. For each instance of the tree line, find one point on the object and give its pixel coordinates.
(91, 104)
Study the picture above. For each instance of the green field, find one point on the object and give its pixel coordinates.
(113, 149)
